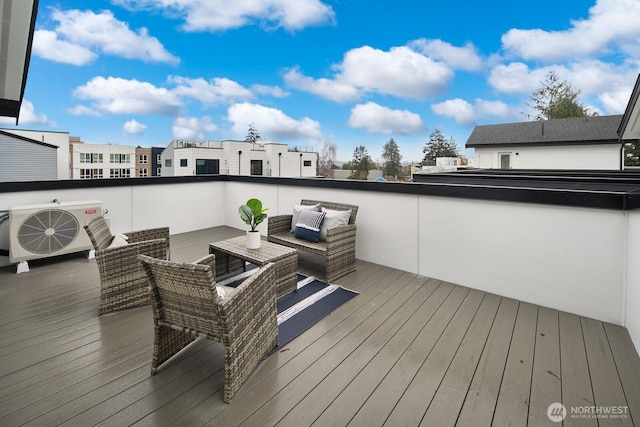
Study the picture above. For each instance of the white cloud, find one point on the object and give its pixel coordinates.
(400, 72)
(274, 91)
(215, 91)
(467, 114)
(271, 123)
(194, 128)
(517, 78)
(220, 15)
(325, 88)
(464, 58)
(120, 96)
(134, 127)
(28, 116)
(615, 101)
(82, 32)
(47, 45)
(83, 110)
(610, 22)
(377, 119)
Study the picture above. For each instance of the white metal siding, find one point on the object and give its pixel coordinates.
(26, 161)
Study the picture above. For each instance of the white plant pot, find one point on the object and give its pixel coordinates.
(253, 239)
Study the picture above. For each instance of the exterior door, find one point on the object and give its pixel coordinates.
(505, 160)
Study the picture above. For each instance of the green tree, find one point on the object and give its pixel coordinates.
(632, 154)
(361, 163)
(327, 158)
(253, 135)
(346, 166)
(438, 146)
(557, 100)
(391, 159)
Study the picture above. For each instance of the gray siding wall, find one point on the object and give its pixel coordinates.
(26, 161)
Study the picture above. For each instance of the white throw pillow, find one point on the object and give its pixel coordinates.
(119, 240)
(297, 208)
(333, 219)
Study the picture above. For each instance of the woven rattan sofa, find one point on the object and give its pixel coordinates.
(186, 304)
(123, 284)
(339, 249)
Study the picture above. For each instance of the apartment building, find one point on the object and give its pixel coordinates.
(229, 157)
(96, 161)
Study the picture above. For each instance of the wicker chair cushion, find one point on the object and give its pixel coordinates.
(333, 219)
(119, 240)
(297, 208)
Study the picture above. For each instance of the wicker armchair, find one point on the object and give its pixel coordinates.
(186, 305)
(123, 283)
(340, 248)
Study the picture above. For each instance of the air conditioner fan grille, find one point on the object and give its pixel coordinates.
(48, 231)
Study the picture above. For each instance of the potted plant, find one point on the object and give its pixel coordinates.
(252, 213)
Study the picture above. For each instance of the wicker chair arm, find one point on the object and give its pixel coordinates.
(341, 233)
(209, 260)
(253, 300)
(279, 224)
(149, 234)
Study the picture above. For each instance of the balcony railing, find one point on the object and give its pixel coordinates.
(569, 247)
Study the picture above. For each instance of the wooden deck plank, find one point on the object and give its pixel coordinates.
(480, 402)
(414, 402)
(627, 365)
(349, 400)
(449, 397)
(545, 378)
(384, 398)
(607, 388)
(332, 352)
(308, 409)
(576, 379)
(512, 407)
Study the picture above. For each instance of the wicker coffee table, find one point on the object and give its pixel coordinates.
(231, 255)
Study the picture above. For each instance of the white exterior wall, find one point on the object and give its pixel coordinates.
(106, 165)
(59, 139)
(578, 260)
(276, 159)
(599, 157)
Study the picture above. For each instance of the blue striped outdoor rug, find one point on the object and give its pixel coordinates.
(299, 310)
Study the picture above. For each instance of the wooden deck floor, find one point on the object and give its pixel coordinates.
(409, 350)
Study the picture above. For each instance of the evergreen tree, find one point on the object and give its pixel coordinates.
(557, 100)
(391, 159)
(438, 146)
(253, 135)
(361, 163)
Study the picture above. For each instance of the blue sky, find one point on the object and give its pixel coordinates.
(359, 72)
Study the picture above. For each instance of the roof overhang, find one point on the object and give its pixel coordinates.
(17, 25)
(630, 125)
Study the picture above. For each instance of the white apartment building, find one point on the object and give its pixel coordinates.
(93, 161)
(264, 158)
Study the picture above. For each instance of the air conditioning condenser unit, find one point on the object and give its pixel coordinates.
(44, 230)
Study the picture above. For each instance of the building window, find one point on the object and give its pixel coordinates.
(307, 163)
(256, 167)
(120, 158)
(159, 172)
(119, 173)
(90, 157)
(159, 158)
(167, 162)
(505, 160)
(90, 173)
(207, 166)
(142, 158)
(183, 163)
(144, 172)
